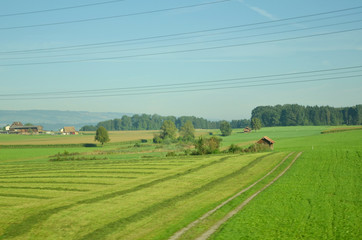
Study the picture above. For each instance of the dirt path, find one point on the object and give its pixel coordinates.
(213, 229)
(179, 233)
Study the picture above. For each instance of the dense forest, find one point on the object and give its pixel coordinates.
(270, 116)
(154, 122)
(297, 115)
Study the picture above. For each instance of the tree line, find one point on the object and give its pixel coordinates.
(154, 122)
(298, 115)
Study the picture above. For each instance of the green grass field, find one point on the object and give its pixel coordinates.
(319, 198)
(137, 193)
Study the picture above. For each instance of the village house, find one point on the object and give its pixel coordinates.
(267, 141)
(19, 128)
(68, 131)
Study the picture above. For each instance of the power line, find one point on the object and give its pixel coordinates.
(189, 90)
(188, 43)
(116, 16)
(183, 51)
(189, 33)
(193, 85)
(60, 9)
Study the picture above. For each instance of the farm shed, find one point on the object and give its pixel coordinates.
(247, 130)
(68, 131)
(266, 140)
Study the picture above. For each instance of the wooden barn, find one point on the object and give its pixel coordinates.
(247, 130)
(267, 141)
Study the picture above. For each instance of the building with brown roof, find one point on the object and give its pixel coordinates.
(68, 131)
(266, 140)
(19, 128)
(247, 130)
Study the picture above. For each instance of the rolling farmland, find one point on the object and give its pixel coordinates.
(138, 193)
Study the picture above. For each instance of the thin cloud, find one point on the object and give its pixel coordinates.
(260, 11)
(263, 13)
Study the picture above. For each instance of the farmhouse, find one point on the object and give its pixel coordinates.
(19, 128)
(267, 141)
(68, 131)
(247, 130)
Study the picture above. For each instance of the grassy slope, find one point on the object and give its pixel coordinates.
(319, 198)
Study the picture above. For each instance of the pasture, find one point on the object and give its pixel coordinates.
(135, 192)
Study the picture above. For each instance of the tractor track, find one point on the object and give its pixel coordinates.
(208, 233)
(217, 225)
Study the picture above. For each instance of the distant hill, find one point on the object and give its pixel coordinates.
(54, 120)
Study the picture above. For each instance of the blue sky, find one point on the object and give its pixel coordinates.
(207, 43)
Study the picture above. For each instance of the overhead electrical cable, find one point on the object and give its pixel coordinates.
(116, 16)
(183, 51)
(61, 8)
(192, 85)
(188, 43)
(192, 32)
(184, 86)
(188, 90)
(126, 43)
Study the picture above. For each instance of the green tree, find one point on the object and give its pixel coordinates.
(207, 145)
(255, 124)
(187, 131)
(102, 135)
(225, 128)
(168, 130)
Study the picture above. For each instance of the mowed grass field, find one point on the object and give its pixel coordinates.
(137, 193)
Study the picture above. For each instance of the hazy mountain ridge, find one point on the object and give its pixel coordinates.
(54, 119)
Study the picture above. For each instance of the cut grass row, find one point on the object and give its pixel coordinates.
(103, 196)
(141, 198)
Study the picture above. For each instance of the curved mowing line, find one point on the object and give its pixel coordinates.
(53, 182)
(28, 223)
(179, 233)
(47, 188)
(22, 196)
(213, 229)
(122, 222)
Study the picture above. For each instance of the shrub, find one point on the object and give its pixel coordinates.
(258, 148)
(157, 139)
(171, 154)
(234, 149)
(207, 146)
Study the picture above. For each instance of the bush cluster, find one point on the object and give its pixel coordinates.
(251, 149)
(67, 156)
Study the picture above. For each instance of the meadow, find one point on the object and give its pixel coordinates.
(131, 190)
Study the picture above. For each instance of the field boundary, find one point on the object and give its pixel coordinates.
(336, 130)
(75, 145)
(217, 225)
(179, 233)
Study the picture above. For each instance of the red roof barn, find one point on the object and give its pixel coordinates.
(266, 140)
